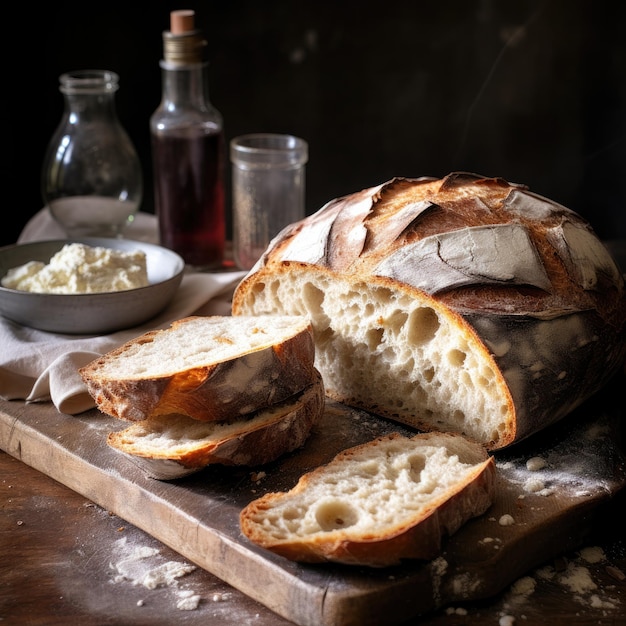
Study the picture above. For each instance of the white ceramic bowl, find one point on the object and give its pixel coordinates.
(90, 314)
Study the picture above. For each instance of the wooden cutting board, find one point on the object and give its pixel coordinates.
(538, 513)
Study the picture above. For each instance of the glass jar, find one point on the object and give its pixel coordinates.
(268, 184)
(91, 177)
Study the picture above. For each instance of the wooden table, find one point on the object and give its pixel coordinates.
(60, 557)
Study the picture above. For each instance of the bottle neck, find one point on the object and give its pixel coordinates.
(185, 86)
(89, 106)
(89, 93)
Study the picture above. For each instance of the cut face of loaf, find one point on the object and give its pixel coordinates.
(463, 304)
(208, 368)
(397, 353)
(173, 446)
(390, 499)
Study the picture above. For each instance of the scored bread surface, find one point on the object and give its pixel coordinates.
(464, 304)
(375, 504)
(208, 368)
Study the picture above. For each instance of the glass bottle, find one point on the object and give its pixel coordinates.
(188, 151)
(91, 176)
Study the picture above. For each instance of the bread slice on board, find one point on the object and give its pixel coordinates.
(208, 368)
(376, 504)
(173, 446)
(464, 304)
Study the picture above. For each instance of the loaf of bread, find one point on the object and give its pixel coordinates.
(376, 504)
(464, 304)
(172, 446)
(207, 368)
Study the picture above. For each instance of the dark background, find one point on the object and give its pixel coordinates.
(533, 91)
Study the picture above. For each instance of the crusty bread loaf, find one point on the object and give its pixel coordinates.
(173, 446)
(208, 368)
(375, 504)
(463, 304)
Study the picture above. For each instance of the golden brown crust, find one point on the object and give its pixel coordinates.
(418, 537)
(260, 438)
(404, 212)
(216, 391)
(526, 276)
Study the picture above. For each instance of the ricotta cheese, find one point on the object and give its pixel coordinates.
(78, 268)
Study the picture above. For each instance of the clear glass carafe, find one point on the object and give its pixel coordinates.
(91, 180)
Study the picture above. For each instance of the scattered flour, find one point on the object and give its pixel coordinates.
(546, 573)
(597, 603)
(506, 520)
(577, 466)
(257, 476)
(166, 574)
(494, 540)
(458, 611)
(592, 554)
(142, 566)
(464, 584)
(518, 594)
(571, 576)
(537, 486)
(221, 597)
(535, 463)
(188, 601)
(577, 579)
(522, 588)
(439, 567)
(534, 485)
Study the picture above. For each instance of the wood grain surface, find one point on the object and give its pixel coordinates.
(553, 511)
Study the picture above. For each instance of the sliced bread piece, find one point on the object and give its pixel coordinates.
(376, 504)
(208, 368)
(173, 446)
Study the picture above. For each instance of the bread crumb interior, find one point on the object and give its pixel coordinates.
(384, 348)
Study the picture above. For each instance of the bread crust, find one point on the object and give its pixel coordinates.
(418, 536)
(525, 276)
(216, 390)
(189, 446)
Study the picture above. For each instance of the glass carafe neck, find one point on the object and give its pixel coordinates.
(89, 92)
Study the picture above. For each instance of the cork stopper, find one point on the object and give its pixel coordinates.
(183, 43)
(182, 21)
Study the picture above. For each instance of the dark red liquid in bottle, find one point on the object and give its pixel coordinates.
(189, 194)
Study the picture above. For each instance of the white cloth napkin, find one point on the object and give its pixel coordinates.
(43, 226)
(38, 366)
